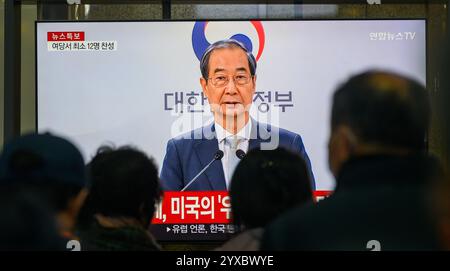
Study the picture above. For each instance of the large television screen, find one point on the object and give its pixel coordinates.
(138, 82)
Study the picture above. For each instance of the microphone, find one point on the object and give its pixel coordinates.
(240, 154)
(217, 156)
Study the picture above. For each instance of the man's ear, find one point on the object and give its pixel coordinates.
(254, 82)
(145, 216)
(348, 138)
(341, 147)
(74, 205)
(204, 85)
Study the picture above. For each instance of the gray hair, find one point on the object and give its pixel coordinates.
(221, 44)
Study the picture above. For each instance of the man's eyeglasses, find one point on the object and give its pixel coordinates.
(222, 80)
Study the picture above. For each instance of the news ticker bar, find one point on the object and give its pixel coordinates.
(200, 207)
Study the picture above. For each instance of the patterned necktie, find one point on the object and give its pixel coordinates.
(233, 160)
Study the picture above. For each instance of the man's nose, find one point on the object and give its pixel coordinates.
(231, 87)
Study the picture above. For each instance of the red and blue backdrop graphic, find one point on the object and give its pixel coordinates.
(200, 43)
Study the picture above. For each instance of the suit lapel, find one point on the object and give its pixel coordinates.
(205, 149)
(254, 143)
(258, 135)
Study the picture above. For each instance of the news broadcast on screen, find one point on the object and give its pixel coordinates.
(140, 83)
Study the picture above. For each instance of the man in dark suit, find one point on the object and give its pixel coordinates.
(383, 175)
(228, 81)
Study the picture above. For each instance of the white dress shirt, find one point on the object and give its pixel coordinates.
(222, 134)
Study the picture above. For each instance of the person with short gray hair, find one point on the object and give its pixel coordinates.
(228, 81)
(222, 44)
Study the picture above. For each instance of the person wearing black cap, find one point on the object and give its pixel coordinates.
(50, 167)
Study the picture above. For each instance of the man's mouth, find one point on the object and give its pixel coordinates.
(231, 103)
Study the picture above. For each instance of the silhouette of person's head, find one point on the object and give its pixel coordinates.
(377, 112)
(124, 184)
(52, 168)
(265, 184)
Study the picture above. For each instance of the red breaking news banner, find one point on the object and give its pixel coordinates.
(65, 36)
(209, 207)
(194, 207)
